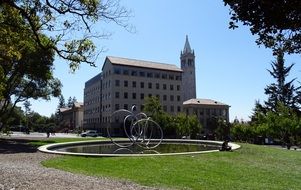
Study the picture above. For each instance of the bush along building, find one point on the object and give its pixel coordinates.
(126, 82)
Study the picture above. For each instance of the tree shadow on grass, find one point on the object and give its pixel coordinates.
(13, 146)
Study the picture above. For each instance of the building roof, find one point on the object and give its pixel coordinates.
(203, 102)
(75, 105)
(93, 80)
(64, 109)
(143, 64)
(187, 48)
(78, 104)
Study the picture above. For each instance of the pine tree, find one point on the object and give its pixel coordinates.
(281, 92)
(74, 99)
(70, 102)
(62, 103)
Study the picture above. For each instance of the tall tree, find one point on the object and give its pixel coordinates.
(62, 103)
(277, 23)
(26, 69)
(69, 25)
(152, 106)
(281, 91)
(70, 102)
(74, 99)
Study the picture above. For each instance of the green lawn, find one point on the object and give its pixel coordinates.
(251, 167)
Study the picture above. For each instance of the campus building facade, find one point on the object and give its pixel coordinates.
(126, 82)
(207, 112)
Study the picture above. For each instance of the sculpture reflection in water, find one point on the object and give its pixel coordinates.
(140, 129)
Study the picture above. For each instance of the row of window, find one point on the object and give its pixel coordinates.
(149, 85)
(208, 112)
(89, 101)
(119, 71)
(92, 110)
(142, 96)
(171, 109)
(92, 91)
(92, 120)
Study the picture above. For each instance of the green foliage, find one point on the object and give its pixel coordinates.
(284, 124)
(67, 23)
(281, 91)
(172, 125)
(277, 23)
(243, 132)
(152, 106)
(62, 103)
(26, 69)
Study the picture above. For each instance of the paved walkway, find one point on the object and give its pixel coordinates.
(20, 168)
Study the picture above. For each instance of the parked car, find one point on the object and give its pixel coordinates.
(90, 133)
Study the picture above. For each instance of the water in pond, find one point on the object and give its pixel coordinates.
(135, 149)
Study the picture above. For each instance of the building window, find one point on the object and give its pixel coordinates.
(171, 97)
(164, 86)
(164, 76)
(116, 94)
(158, 96)
(172, 109)
(178, 88)
(171, 77)
(117, 71)
(157, 85)
(142, 74)
(201, 112)
(207, 111)
(134, 95)
(178, 98)
(157, 75)
(125, 106)
(142, 96)
(141, 84)
(141, 107)
(134, 73)
(126, 72)
(171, 87)
(165, 108)
(178, 77)
(117, 82)
(149, 75)
(150, 85)
(149, 95)
(179, 108)
(125, 95)
(126, 83)
(134, 84)
(116, 106)
(164, 97)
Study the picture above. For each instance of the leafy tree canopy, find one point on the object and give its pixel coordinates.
(68, 24)
(25, 67)
(277, 23)
(282, 91)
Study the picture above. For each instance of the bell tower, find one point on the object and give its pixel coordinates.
(188, 76)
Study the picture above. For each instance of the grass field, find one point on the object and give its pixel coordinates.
(251, 167)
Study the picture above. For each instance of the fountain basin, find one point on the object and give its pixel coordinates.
(105, 148)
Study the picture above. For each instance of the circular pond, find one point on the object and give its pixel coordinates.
(107, 148)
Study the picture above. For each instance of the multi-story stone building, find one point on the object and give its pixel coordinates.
(92, 102)
(126, 82)
(72, 118)
(207, 111)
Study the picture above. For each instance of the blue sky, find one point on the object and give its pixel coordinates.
(230, 67)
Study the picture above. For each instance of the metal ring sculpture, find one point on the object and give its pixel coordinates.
(139, 128)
